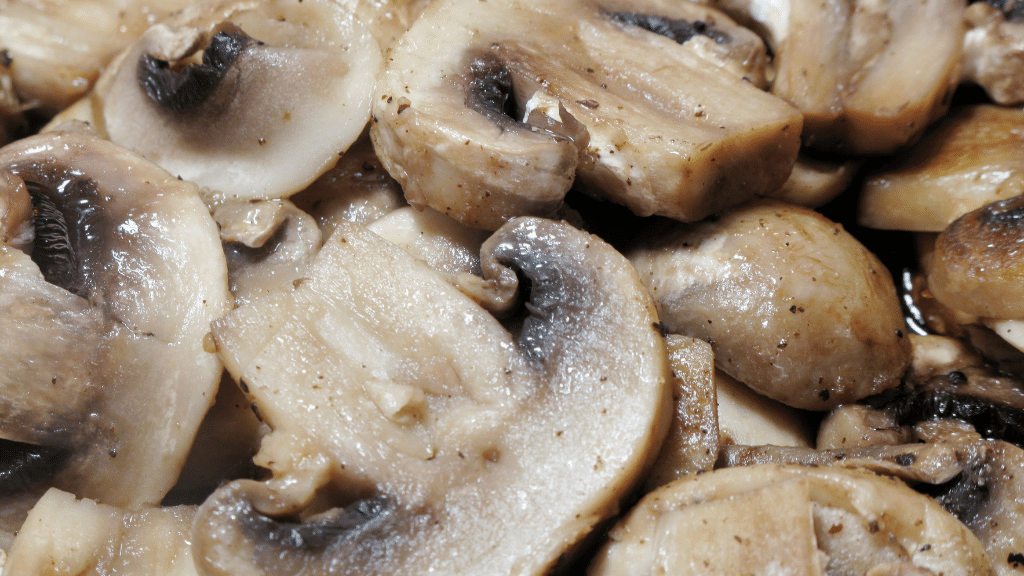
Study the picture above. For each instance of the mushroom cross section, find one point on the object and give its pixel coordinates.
(493, 124)
(248, 99)
(111, 271)
(413, 434)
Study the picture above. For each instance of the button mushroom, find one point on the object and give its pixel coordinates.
(439, 441)
(994, 49)
(793, 306)
(789, 520)
(247, 99)
(111, 274)
(488, 125)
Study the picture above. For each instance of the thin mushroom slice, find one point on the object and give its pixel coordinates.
(790, 520)
(105, 309)
(490, 125)
(968, 159)
(793, 305)
(248, 99)
(405, 418)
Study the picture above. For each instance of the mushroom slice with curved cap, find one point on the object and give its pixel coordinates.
(456, 446)
(255, 101)
(869, 75)
(105, 312)
(772, 519)
(792, 304)
(994, 49)
(976, 265)
(968, 159)
(491, 125)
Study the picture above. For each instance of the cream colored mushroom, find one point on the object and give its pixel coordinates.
(252, 100)
(404, 416)
(492, 124)
(793, 306)
(112, 273)
(772, 519)
(994, 49)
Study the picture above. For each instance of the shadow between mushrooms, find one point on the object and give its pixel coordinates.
(413, 434)
(111, 271)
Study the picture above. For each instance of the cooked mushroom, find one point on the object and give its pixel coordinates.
(112, 272)
(815, 182)
(53, 59)
(692, 443)
(64, 536)
(488, 126)
(406, 419)
(793, 305)
(977, 262)
(856, 425)
(994, 49)
(746, 417)
(789, 520)
(969, 159)
(253, 100)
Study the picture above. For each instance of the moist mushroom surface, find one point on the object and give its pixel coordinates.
(413, 434)
(112, 272)
(248, 99)
(498, 122)
(793, 306)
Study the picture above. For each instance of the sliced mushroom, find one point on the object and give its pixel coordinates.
(489, 126)
(53, 59)
(977, 263)
(969, 159)
(692, 443)
(789, 520)
(994, 49)
(793, 305)
(869, 75)
(253, 100)
(816, 182)
(64, 536)
(855, 425)
(746, 417)
(112, 273)
(406, 419)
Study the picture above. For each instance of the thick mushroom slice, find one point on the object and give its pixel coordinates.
(112, 273)
(792, 304)
(969, 159)
(456, 446)
(68, 537)
(492, 124)
(994, 49)
(869, 75)
(771, 519)
(248, 99)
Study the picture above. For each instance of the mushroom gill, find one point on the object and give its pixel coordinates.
(111, 274)
(412, 433)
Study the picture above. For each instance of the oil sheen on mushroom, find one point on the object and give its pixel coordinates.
(792, 304)
(430, 430)
(249, 100)
(489, 126)
(104, 314)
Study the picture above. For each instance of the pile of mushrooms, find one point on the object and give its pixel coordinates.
(525, 287)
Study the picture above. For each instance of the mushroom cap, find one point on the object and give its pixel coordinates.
(827, 519)
(104, 351)
(793, 305)
(268, 112)
(458, 446)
